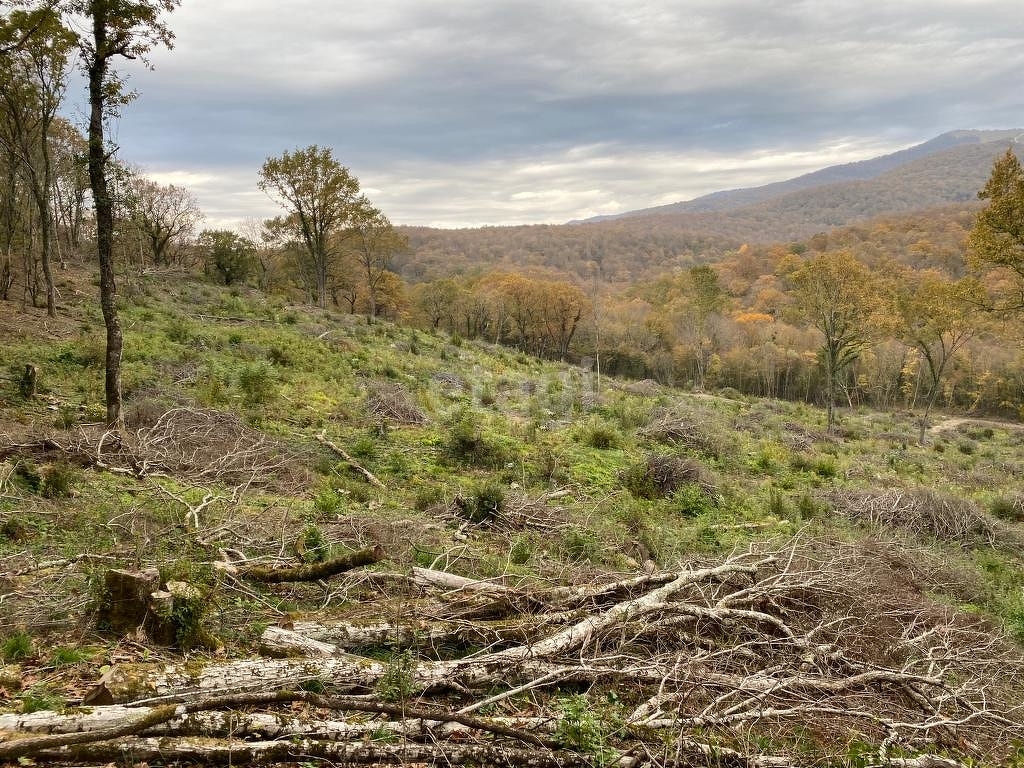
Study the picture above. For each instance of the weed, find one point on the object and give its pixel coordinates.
(66, 656)
(777, 505)
(17, 647)
(397, 683)
(826, 467)
(312, 546)
(601, 434)
(39, 698)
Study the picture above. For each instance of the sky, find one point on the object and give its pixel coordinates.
(457, 113)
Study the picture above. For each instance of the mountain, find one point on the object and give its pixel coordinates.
(949, 150)
(946, 171)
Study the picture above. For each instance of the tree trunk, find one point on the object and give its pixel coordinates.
(104, 213)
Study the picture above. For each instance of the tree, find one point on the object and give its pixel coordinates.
(937, 317)
(840, 297)
(128, 30)
(321, 197)
(374, 241)
(226, 254)
(33, 79)
(165, 215)
(997, 239)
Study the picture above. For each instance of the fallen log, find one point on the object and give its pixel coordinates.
(105, 723)
(235, 752)
(314, 571)
(312, 638)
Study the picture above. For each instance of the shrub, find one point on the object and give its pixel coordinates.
(578, 544)
(426, 497)
(257, 384)
(59, 480)
(467, 443)
(484, 504)
(1009, 509)
(602, 435)
(280, 356)
(659, 475)
(691, 500)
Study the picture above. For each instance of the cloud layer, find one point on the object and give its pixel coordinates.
(462, 113)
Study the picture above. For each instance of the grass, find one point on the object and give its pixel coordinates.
(499, 428)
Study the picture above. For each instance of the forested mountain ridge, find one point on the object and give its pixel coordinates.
(949, 169)
(955, 142)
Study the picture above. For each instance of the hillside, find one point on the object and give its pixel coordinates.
(639, 246)
(373, 545)
(954, 148)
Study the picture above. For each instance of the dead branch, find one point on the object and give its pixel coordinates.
(370, 477)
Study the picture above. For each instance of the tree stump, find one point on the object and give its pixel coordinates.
(29, 381)
(126, 598)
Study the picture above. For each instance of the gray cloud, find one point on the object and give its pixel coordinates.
(457, 112)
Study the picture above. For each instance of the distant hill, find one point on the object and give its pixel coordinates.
(948, 170)
(955, 148)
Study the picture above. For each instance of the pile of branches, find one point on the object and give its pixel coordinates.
(804, 648)
(392, 402)
(920, 511)
(194, 444)
(684, 430)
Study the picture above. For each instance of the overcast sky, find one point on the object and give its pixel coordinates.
(473, 112)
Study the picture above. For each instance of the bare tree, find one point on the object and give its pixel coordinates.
(165, 215)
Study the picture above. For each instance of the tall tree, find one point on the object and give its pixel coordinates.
(997, 239)
(840, 297)
(127, 30)
(322, 198)
(33, 79)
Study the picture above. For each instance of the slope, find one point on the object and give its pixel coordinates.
(637, 576)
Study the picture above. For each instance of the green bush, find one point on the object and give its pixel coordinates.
(578, 545)
(426, 497)
(257, 384)
(312, 546)
(660, 475)
(484, 504)
(691, 500)
(467, 443)
(600, 434)
(280, 356)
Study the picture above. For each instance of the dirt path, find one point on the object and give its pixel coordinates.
(953, 422)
